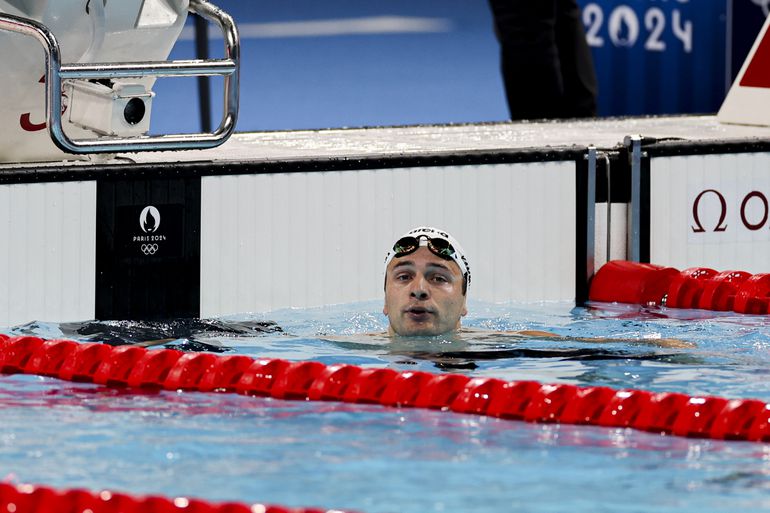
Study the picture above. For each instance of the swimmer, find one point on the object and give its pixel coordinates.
(426, 283)
(427, 277)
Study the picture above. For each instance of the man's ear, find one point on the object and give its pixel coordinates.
(385, 289)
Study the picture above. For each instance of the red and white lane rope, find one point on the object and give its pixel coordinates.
(697, 287)
(671, 413)
(41, 499)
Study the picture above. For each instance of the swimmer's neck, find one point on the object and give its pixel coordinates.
(459, 329)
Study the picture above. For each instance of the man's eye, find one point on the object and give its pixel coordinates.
(402, 277)
(440, 279)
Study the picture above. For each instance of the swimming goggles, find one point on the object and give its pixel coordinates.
(442, 248)
(437, 241)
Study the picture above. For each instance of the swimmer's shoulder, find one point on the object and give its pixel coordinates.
(510, 333)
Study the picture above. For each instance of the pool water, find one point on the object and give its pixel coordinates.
(225, 447)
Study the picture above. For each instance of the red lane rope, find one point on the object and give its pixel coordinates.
(697, 287)
(41, 499)
(671, 413)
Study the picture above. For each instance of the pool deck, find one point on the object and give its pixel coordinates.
(558, 137)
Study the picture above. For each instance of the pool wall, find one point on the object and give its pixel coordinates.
(47, 254)
(311, 239)
(303, 219)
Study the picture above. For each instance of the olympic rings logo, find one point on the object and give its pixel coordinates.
(149, 249)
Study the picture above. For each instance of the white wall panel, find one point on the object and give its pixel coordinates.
(47, 252)
(308, 239)
(740, 181)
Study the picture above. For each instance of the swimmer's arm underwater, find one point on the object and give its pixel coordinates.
(659, 342)
(476, 334)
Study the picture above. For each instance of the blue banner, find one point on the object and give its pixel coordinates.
(658, 56)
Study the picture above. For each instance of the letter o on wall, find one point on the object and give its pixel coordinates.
(746, 223)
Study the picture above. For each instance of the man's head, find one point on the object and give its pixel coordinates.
(426, 279)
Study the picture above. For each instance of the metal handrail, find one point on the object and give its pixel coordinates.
(55, 72)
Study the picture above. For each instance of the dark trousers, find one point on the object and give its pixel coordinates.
(546, 63)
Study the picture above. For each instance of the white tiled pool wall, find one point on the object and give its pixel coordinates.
(47, 251)
(311, 239)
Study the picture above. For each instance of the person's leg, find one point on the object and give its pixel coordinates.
(529, 57)
(577, 67)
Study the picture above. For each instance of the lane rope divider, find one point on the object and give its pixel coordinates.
(41, 499)
(664, 412)
(697, 287)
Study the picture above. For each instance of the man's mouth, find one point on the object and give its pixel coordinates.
(418, 313)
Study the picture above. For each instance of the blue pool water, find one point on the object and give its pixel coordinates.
(373, 459)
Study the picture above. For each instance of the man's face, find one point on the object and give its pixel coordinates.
(423, 294)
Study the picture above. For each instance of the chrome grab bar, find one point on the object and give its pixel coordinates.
(55, 72)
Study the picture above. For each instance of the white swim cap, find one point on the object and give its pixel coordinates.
(439, 242)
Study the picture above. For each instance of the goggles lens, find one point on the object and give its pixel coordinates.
(439, 247)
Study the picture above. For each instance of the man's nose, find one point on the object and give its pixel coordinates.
(419, 289)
